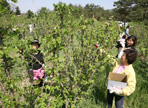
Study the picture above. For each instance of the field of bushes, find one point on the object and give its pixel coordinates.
(79, 70)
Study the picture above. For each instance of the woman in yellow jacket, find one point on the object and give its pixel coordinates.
(124, 67)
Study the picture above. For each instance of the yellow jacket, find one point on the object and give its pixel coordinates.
(131, 79)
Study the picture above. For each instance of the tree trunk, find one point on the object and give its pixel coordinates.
(62, 18)
(67, 102)
(144, 14)
(6, 66)
(124, 19)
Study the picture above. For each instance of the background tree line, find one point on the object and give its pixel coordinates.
(125, 10)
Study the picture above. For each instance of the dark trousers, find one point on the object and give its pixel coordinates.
(118, 100)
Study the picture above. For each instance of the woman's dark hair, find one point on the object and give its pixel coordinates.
(128, 26)
(134, 39)
(124, 36)
(131, 55)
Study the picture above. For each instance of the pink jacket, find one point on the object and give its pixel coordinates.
(38, 74)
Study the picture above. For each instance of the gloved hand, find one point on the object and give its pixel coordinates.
(43, 65)
(115, 90)
(120, 53)
(112, 90)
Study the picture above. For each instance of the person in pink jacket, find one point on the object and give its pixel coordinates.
(124, 67)
(36, 72)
